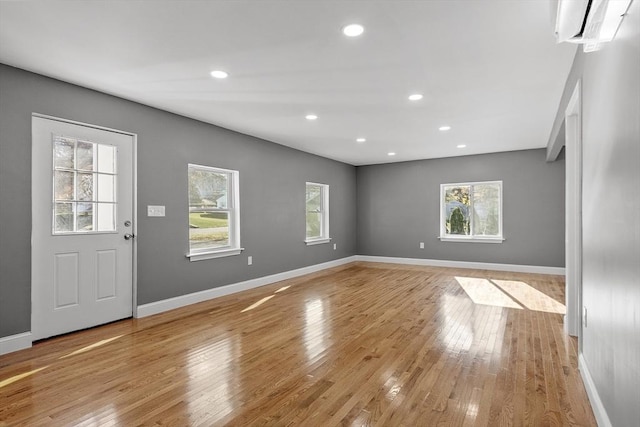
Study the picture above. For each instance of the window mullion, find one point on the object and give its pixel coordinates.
(230, 224)
(322, 226)
(75, 186)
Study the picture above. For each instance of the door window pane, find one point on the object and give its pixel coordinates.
(84, 199)
(63, 153)
(84, 155)
(63, 217)
(63, 185)
(106, 188)
(106, 158)
(84, 216)
(84, 186)
(106, 216)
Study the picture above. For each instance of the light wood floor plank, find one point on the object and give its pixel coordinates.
(363, 344)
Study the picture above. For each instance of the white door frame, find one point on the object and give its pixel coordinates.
(573, 213)
(134, 137)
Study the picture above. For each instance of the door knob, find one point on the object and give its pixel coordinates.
(128, 236)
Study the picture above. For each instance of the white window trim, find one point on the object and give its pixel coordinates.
(200, 256)
(469, 239)
(324, 225)
(483, 239)
(234, 216)
(311, 242)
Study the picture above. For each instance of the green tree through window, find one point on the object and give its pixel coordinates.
(472, 210)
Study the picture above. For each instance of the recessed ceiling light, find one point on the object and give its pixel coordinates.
(415, 97)
(353, 30)
(461, 146)
(391, 153)
(219, 74)
(311, 117)
(444, 128)
(361, 140)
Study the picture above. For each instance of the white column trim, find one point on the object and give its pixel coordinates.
(596, 403)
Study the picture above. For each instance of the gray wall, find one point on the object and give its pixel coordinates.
(272, 186)
(399, 206)
(611, 217)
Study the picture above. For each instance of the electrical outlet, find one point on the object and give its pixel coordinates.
(249, 260)
(155, 210)
(335, 246)
(421, 245)
(584, 317)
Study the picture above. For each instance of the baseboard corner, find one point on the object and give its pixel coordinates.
(15, 342)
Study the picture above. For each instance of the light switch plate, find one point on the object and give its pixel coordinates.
(155, 210)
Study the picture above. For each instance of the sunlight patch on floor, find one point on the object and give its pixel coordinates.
(90, 347)
(482, 291)
(258, 303)
(282, 289)
(18, 377)
(530, 297)
(509, 294)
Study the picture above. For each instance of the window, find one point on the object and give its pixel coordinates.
(84, 186)
(214, 214)
(317, 213)
(471, 211)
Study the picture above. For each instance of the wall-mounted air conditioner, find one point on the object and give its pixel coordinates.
(588, 22)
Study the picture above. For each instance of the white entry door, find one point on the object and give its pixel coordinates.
(82, 227)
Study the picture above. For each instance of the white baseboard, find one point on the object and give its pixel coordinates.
(21, 341)
(15, 342)
(196, 297)
(184, 300)
(463, 264)
(596, 403)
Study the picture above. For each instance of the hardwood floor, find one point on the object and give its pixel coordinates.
(362, 344)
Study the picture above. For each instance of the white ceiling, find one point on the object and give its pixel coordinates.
(489, 69)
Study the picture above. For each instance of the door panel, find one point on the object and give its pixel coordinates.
(82, 206)
(65, 280)
(106, 273)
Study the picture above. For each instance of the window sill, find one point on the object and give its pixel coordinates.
(200, 256)
(316, 241)
(472, 239)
